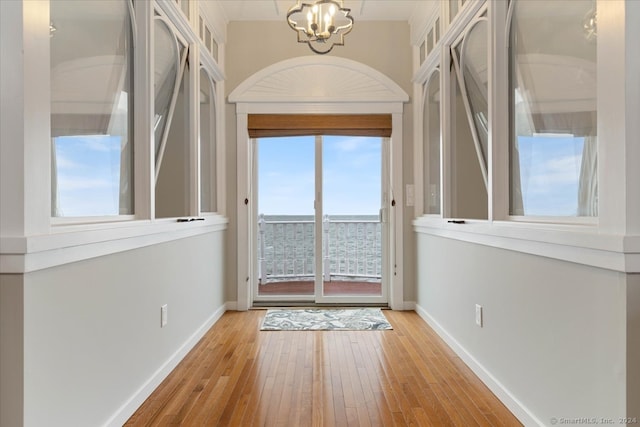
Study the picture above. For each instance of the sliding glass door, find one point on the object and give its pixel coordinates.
(320, 230)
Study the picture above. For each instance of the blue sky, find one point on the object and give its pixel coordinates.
(88, 175)
(549, 173)
(352, 175)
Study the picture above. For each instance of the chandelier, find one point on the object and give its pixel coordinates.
(321, 24)
(590, 25)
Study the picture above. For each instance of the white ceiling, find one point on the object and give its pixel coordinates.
(276, 10)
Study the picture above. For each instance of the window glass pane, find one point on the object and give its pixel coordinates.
(214, 49)
(453, 9)
(207, 38)
(467, 190)
(91, 108)
(474, 64)
(423, 53)
(172, 184)
(207, 144)
(166, 64)
(430, 41)
(172, 136)
(184, 5)
(437, 28)
(431, 135)
(553, 144)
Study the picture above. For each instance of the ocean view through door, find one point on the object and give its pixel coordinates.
(319, 232)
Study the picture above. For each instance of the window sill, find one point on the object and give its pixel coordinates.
(72, 243)
(581, 244)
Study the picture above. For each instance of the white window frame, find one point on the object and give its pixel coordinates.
(449, 20)
(540, 219)
(214, 38)
(217, 146)
(31, 239)
(612, 240)
(456, 37)
(421, 205)
(69, 220)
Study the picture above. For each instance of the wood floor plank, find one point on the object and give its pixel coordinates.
(238, 375)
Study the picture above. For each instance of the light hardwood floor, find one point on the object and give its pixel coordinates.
(238, 375)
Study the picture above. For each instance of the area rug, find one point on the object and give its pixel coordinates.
(356, 319)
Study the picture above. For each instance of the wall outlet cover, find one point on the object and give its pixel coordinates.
(163, 316)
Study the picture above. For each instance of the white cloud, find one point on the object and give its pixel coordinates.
(351, 144)
(101, 143)
(63, 162)
(556, 172)
(71, 184)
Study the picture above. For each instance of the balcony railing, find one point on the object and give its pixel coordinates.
(351, 248)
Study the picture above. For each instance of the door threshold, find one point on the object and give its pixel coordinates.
(304, 304)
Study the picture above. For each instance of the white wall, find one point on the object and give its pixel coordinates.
(383, 46)
(11, 349)
(92, 335)
(554, 335)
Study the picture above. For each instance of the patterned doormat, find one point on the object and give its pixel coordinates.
(357, 319)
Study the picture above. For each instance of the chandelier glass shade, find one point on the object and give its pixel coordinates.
(322, 24)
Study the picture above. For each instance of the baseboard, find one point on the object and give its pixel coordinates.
(515, 406)
(134, 402)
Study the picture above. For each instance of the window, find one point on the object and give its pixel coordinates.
(208, 39)
(468, 131)
(453, 9)
(91, 108)
(471, 61)
(172, 123)
(214, 49)
(207, 143)
(431, 147)
(184, 6)
(553, 115)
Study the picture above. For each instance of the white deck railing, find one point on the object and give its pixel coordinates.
(351, 249)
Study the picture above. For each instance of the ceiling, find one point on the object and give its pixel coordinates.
(361, 10)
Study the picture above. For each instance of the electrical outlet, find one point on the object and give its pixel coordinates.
(479, 315)
(163, 316)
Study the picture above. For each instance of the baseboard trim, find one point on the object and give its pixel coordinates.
(134, 402)
(510, 401)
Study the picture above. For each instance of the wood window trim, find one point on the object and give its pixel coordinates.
(274, 125)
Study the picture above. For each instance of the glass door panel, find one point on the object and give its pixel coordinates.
(320, 235)
(351, 223)
(286, 218)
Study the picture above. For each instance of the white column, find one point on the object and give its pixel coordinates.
(618, 124)
(262, 274)
(244, 247)
(396, 295)
(25, 129)
(326, 264)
